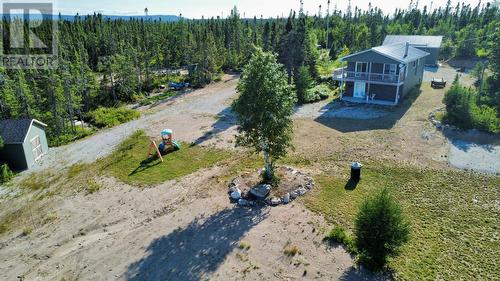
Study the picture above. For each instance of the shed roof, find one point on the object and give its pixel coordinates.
(415, 40)
(14, 131)
(396, 52)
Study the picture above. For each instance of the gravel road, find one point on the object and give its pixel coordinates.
(189, 116)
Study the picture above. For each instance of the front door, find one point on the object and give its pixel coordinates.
(360, 90)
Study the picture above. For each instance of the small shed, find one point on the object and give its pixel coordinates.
(25, 142)
(428, 44)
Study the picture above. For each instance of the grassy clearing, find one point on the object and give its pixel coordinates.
(110, 117)
(156, 98)
(455, 218)
(128, 163)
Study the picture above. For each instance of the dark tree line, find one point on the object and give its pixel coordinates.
(105, 62)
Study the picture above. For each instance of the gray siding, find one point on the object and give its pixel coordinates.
(432, 58)
(13, 154)
(28, 151)
(414, 77)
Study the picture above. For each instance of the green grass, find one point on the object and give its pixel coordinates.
(153, 99)
(128, 163)
(454, 215)
(108, 117)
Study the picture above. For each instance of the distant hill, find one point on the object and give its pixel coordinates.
(164, 18)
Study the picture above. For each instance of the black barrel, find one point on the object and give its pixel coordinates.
(356, 171)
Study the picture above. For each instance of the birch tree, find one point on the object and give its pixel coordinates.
(264, 109)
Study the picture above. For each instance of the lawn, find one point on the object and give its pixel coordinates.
(455, 218)
(128, 164)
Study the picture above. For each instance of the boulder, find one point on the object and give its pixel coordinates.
(260, 191)
(236, 194)
(275, 201)
(286, 198)
(301, 191)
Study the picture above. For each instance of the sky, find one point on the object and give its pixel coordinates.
(214, 8)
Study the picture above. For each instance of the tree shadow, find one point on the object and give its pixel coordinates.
(351, 184)
(345, 125)
(362, 274)
(225, 120)
(196, 251)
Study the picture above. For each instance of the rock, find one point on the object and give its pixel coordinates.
(260, 191)
(275, 201)
(243, 202)
(286, 198)
(236, 194)
(294, 194)
(301, 191)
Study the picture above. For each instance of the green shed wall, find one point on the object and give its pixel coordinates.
(13, 154)
(35, 130)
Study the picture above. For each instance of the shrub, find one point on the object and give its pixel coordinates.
(339, 235)
(109, 117)
(462, 110)
(6, 173)
(381, 229)
(321, 91)
(68, 136)
(292, 251)
(1, 142)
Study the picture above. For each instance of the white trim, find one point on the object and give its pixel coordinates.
(31, 125)
(385, 55)
(38, 148)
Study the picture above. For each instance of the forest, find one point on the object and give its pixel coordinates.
(105, 63)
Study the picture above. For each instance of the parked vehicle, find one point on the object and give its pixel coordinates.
(178, 86)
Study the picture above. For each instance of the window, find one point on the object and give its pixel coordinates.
(36, 147)
(390, 69)
(361, 68)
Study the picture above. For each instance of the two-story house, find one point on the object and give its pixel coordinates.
(381, 75)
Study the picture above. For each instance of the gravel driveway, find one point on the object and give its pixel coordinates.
(189, 116)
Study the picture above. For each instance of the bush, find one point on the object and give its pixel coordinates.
(109, 117)
(1, 142)
(339, 235)
(68, 137)
(381, 229)
(322, 91)
(463, 111)
(6, 173)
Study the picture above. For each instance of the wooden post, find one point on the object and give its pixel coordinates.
(369, 79)
(397, 90)
(153, 145)
(342, 83)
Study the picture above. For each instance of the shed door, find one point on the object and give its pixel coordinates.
(36, 147)
(360, 90)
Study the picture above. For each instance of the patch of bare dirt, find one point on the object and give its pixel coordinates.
(179, 230)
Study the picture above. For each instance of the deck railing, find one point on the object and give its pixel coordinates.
(344, 74)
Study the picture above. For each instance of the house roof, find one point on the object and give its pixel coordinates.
(396, 52)
(14, 131)
(415, 40)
